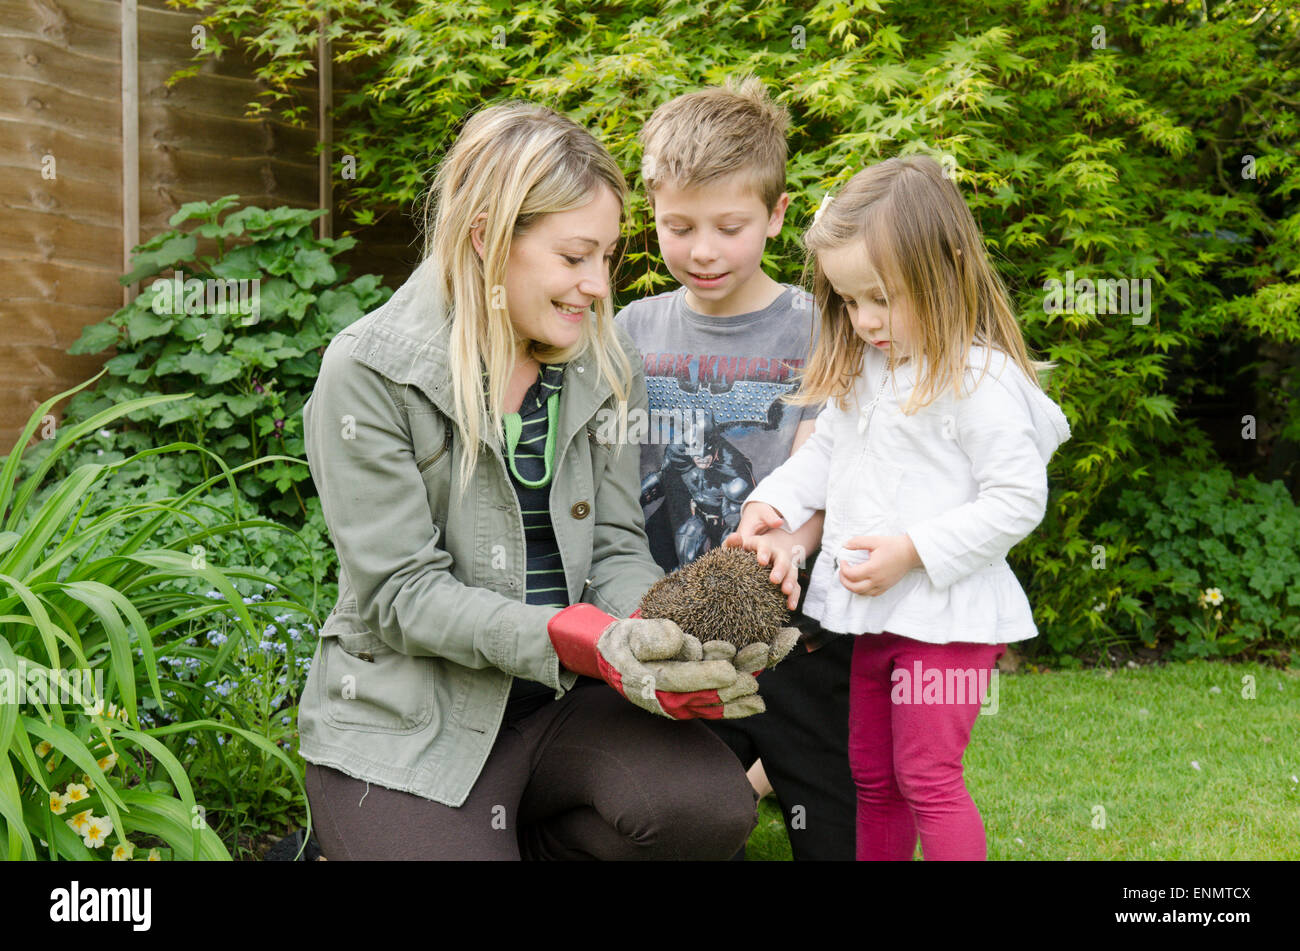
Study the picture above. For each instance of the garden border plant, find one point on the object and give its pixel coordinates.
(62, 607)
(1219, 558)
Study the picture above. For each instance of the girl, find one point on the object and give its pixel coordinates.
(450, 436)
(930, 462)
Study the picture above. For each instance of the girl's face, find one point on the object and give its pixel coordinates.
(559, 268)
(884, 324)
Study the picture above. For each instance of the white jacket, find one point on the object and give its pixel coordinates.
(965, 478)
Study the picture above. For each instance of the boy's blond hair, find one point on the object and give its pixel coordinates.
(701, 136)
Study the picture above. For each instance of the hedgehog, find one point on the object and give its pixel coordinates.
(724, 595)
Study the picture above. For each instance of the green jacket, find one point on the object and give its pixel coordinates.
(409, 683)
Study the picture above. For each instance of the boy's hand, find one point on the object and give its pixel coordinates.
(891, 557)
(758, 518)
(777, 548)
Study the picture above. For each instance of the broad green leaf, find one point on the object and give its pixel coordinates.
(175, 249)
(95, 338)
(311, 267)
(145, 324)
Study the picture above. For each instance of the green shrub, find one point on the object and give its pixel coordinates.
(249, 372)
(1132, 140)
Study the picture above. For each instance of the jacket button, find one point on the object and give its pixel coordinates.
(580, 510)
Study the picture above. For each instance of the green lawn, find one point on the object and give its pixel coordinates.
(1152, 763)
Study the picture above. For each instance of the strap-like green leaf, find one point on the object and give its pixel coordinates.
(10, 471)
(166, 817)
(66, 437)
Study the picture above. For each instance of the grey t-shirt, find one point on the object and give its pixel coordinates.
(717, 424)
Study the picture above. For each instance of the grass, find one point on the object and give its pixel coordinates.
(768, 842)
(1152, 763)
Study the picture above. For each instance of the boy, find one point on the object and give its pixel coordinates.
(719, 353)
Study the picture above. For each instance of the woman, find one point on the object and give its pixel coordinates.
(451, 437)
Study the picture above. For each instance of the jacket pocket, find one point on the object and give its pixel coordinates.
(442, 451)
(370, 686)
(432, 435)
(600, 452)
(474, 694)
(433, 432)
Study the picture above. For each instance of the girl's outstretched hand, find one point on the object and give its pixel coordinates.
(776, 548)
(891, 557)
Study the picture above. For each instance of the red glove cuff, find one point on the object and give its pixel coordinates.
(699, 705)
(574, 632)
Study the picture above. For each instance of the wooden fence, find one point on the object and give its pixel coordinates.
(94, 158)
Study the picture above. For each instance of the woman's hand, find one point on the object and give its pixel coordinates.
(778, 548)
(654, 664)
(890, 557)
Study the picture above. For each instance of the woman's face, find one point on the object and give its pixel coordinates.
(559, 267)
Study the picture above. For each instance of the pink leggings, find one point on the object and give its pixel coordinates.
(908, 729)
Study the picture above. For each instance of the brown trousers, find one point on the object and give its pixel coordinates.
(588, 776)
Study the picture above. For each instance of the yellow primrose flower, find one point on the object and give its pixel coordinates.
(107, 762)
(94, 709)
(85, 778)
(49, 767)
(121, 715)
(112, 709)
(58, 804)
(154, 856)
(123, 852)
(42, 748)
(76, 792)
(97, 832)
(80, 821)
(1214, 596)
(1218, 615)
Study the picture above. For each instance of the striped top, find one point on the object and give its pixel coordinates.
(531, 477)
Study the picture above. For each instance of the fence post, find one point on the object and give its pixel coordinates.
(130, 142)
(325, 126)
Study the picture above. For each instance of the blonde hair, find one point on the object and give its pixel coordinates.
(702, 136)
(915, 230)
(513, 163)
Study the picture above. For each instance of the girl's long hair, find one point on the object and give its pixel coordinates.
(919, 237)
(513, 162)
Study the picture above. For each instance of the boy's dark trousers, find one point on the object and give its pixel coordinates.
(803, 740)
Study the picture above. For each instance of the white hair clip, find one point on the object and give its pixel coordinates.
(826, 201)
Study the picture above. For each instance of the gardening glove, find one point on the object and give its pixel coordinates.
(754, 658)
(653, 664)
